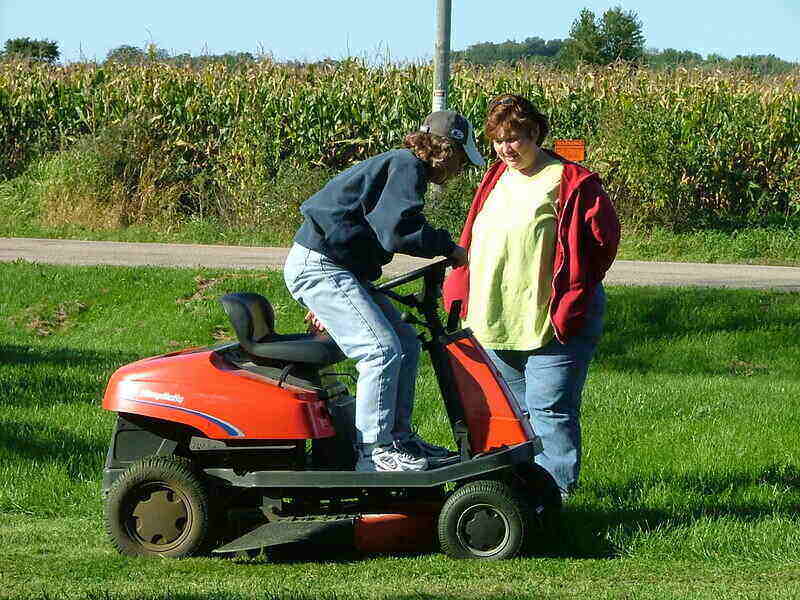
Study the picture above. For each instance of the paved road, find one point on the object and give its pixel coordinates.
(624, 272)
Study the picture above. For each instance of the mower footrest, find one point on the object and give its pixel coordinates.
(476, 466)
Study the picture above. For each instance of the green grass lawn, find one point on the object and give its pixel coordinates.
(691, 477)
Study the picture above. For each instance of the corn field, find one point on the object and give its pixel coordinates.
(678, 148)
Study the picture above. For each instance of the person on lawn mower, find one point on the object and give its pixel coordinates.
(352, 227)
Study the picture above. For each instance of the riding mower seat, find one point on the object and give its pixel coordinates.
(253, 320)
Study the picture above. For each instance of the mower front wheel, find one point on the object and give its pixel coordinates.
(483, 519)
(158, 507)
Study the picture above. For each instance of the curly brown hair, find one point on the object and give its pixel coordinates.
(510, 111)
(430, 148)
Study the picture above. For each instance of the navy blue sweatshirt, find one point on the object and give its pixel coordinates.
(370, 211)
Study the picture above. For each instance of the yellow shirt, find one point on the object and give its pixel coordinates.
(511, 261)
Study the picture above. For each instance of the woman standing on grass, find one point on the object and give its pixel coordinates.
(541, 234)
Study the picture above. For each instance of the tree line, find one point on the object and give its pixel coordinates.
(614, 36)
(46, 51)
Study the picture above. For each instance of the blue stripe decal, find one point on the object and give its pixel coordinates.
(229, 429)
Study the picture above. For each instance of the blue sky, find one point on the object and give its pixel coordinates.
(404, 30)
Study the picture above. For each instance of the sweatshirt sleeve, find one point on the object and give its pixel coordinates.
(602, 223)
(397, 217)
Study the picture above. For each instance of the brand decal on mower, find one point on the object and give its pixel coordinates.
(229, 429)
(162, 396)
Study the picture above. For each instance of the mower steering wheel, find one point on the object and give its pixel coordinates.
(435, 268)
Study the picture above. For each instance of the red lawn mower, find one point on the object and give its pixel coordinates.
(249, 446)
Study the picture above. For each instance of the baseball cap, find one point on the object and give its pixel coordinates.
(450, 124)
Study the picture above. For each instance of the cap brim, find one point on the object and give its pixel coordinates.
(472, 152)
(471, 149)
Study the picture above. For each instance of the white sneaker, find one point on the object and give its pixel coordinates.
(416, 446)
(389, 458)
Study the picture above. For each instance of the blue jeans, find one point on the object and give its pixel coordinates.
(548, 383)
(368, 329)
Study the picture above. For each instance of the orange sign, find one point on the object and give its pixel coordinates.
(574, 150)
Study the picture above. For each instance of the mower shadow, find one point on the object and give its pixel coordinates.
(593, 532)
(585, 532)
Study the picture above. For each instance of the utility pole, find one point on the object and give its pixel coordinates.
(441, 56)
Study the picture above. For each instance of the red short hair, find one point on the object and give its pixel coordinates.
(514, 112)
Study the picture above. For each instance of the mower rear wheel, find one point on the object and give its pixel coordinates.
(158, 507)
(483, 519)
